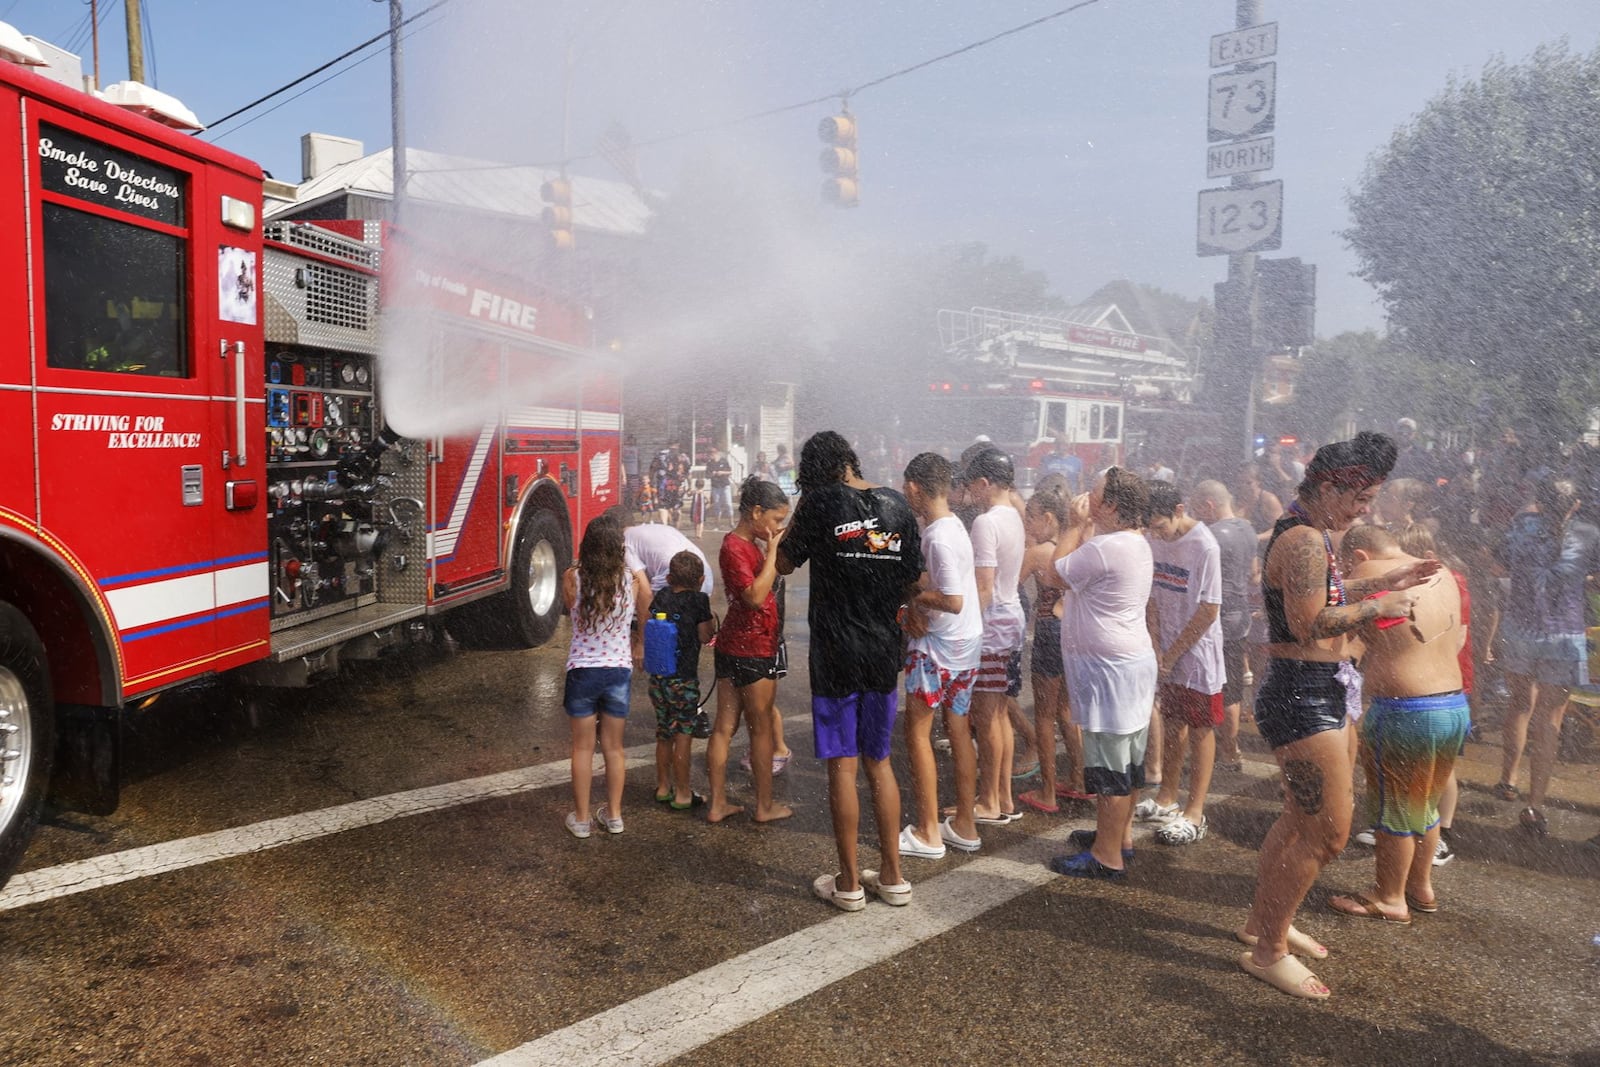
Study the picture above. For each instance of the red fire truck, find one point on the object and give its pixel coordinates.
(1030, 381)
(200, 477)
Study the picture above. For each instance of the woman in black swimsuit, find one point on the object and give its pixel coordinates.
(1309, 687)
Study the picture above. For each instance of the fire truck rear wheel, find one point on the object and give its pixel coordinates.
(27, 735)
(537, 563)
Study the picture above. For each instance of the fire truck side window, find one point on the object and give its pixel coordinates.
(114, 295)
(1111, 425)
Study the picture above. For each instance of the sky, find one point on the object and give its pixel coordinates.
(1078, 145)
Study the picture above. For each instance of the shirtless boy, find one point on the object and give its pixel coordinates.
(1411, 734)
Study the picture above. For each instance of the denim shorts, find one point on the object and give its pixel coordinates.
(597, 689)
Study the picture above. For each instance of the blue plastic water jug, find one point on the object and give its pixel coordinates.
(660, 645)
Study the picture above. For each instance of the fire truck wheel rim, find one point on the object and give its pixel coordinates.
(16, 745)
(543, 577)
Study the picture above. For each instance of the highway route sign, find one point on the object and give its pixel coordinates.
(1234, 220)
(1242, 103)
(1249, 45)
(1239, 157)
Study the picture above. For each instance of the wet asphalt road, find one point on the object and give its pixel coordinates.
(456, 935)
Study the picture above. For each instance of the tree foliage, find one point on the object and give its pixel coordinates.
(1479, 225)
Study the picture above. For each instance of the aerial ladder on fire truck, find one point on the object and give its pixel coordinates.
(1086, 348)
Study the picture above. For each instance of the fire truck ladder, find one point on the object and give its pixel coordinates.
(1064, 351)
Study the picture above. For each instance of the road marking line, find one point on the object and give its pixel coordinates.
(679, 1018)
(81, 876)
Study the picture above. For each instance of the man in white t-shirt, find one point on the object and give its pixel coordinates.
(1186, 606)
(650, 547)
(1108, 662)
(945, 625)
(998, 544)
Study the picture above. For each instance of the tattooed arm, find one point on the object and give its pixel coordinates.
(1412, 574)
(1299, 565)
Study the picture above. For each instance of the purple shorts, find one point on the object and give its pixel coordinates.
(861, 724)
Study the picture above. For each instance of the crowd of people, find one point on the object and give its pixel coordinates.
(1323, 580)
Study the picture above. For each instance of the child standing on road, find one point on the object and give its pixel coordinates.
(945, 624)
(748, 662)
(607, 639)
(676, 697)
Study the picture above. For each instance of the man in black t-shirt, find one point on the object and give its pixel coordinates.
(866, 557)
(1212, 504)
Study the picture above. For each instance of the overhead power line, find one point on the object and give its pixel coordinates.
(364, 59)
(844, 94)
(335, 61)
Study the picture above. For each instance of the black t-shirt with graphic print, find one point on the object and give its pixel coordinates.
(864, 552)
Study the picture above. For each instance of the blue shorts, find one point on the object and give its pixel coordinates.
(861, 724)
(592, 689)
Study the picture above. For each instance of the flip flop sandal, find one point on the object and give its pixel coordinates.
(1427, 907)
(1288, 975)
(1533, 819)
(1365, 909)
(665, 798)
(1299, 943)
(695, 801)
(1068, 793)
(1032, 770)
(1002, 819)
(1038, 805)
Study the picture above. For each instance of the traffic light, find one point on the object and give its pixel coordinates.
(557, 194)
(843, 187)
(1286, 303)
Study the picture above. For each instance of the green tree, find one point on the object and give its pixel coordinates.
(1479, 225)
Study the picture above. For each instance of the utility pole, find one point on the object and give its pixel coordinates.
(135, 41)
(397, 109)
(1242, 267)
(94, 33)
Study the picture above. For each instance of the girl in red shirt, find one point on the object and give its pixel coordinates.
(747, 660)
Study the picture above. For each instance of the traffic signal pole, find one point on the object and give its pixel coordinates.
(1242, 267)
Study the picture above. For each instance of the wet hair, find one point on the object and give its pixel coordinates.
(1125, 492)
(826, 458)
(1368, 538)
(1164, 498)
(1416, 539)
(931, 473)
(1054, 482)
(602, 575)
(1214, 492)
(757, 493)
(1414, 495)
(686, 570)
(1363, 461)
(1051, 502)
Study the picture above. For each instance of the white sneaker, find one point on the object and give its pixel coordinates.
(1366, 839)
(1147, 810)
(912, 845)
(578, 829)
(613, 823)
(1180, 831)
(898, 895)
(1443, 853)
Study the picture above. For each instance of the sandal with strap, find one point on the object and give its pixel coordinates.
(1533, 819)
(1505, 791)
